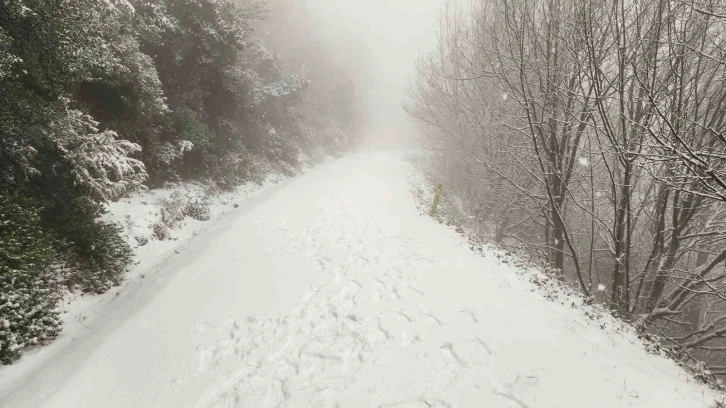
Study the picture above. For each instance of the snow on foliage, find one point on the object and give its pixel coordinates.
(119, 4)
(167, 153)
(100, 161)
(184, 80)
(185, 146)
(137, 69)
(283, 87)
(7, 60)
(26, 299)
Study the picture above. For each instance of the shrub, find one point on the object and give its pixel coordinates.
(177, 207)
(28, 294)
(94, 252)
(173, 209)
(198, 210)
(160, 231)
(99, 259)
(191, 128)
(141, 240)
(172, 212)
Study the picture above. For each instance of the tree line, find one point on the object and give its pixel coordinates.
(102, 98)
(594, 133)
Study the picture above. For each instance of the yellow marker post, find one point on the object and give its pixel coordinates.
(437, 197)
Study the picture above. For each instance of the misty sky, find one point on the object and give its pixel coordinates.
(392, 33)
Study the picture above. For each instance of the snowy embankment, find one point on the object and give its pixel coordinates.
(333, 290)
(139, 216)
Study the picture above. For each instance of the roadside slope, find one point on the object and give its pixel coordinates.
(333, 291)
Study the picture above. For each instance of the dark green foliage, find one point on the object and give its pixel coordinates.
(58, 48)
(99, 257)
(52, 44)
(191, 128)
(95, 251)
(100, 96)
(27, 290)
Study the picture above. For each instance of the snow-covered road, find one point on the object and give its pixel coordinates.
(332, 290)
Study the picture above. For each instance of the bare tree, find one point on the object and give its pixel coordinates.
(594, 130)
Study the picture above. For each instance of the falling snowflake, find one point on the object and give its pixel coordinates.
(601, 287)
(505, 96)
(584, 161)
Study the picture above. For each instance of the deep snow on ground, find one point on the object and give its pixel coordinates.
(332, 290)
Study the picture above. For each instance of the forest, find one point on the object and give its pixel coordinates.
(103, 98)
(593, 134)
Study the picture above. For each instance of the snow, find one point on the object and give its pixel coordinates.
(334, 290)
(140, 212)
(136, 215)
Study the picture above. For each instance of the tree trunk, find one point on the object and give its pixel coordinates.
(665, 268)
(693, 309)
(619, 299)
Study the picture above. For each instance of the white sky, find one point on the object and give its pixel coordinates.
(392, 33)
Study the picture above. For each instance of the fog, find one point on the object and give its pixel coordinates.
(218, 203)
(382, 39)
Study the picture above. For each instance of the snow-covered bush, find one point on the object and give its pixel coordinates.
(198, 210)
(141, 240)
(27, 291)
(229, 169)
(192, 129)
(280, 88)
(99, 261)
(160, 231)
(101, 163)
(174, 209)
